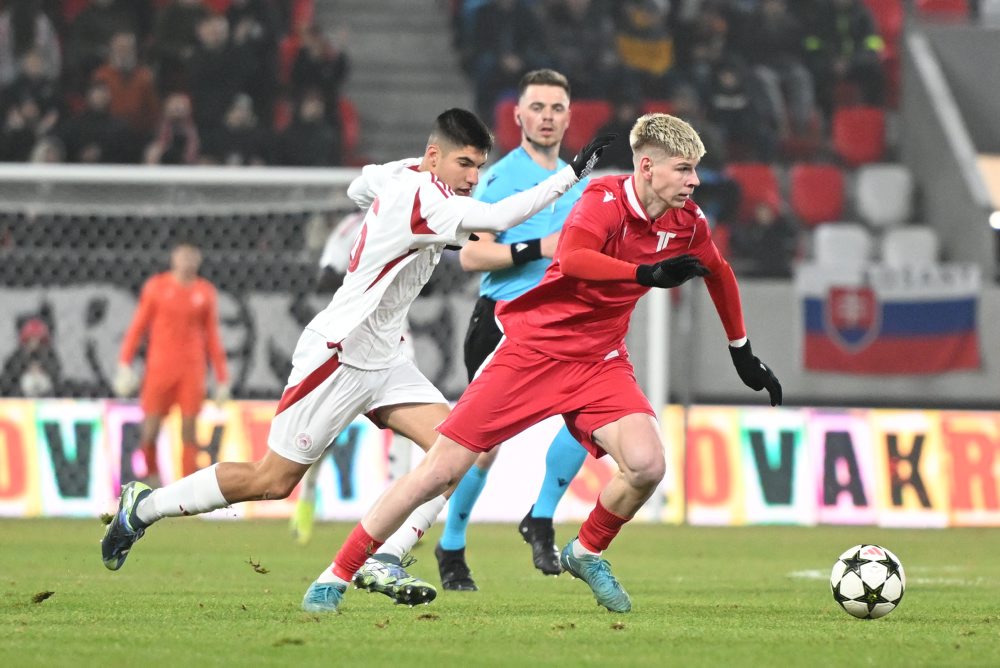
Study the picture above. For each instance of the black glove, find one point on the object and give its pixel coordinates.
(671, 272)
(585, 161)
(755, 374)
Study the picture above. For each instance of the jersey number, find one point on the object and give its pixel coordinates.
(663, 239)
(359, 245)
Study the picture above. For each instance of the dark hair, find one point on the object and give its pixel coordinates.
(462, 128)
(543, 77)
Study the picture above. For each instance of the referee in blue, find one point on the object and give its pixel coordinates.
(512, 263)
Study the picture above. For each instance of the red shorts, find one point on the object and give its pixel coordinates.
(160, 391)
(520, 387)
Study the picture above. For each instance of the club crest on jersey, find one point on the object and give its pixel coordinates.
(303, 441)
(852, 316)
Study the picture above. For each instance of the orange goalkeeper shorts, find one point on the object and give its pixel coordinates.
(160, 391)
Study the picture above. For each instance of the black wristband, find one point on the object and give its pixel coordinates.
(522, 252)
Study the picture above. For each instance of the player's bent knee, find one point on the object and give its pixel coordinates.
(647, 475)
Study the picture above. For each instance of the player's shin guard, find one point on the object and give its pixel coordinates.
(600, 528)
(562, 462)
(198, 493)
(419, 521)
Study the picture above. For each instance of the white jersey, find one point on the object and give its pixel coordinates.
(411, 217)
(337, 249)
(337, 256)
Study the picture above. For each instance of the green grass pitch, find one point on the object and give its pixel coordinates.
(189, 596)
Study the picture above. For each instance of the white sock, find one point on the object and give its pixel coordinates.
(327, 576)
(400, 453)
(580, 551)
(419, 521)
(198, 493)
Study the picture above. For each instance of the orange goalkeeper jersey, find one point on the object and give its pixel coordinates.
(181, 323)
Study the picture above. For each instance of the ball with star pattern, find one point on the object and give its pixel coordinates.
(868, 581)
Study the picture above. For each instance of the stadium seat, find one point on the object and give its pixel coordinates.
(858, 134)
(989, 12)
(350, 128)
(842, 244)
(883, 194)
(948, 10)
(508, 134)
(909, 246)
(657, 107)
(816, 192)
(889, 16)
(758, 183)
(587, 118)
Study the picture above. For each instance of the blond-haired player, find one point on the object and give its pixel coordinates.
(564, 349)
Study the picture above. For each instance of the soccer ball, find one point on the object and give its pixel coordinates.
(868, 581)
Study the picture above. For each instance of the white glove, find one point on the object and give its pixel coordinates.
(126, 381)
(222, 393)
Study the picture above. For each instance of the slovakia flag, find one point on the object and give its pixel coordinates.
(890, 320)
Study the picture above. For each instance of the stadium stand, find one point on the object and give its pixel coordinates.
(758, 184)
(816, 192)
(884, 194)
(858, 134)
(910, 246)
(839, 244)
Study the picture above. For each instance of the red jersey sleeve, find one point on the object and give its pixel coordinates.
(722, 286)
(580, 256)
(139, 326)
(216, 353)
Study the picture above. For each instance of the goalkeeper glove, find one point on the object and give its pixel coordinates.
(585, 161)
(755, 374)
(126, 382)
(671, 272)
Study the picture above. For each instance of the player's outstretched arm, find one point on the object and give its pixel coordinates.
(508, 212)
(755, 374)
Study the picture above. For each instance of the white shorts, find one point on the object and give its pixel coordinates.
(323, 397)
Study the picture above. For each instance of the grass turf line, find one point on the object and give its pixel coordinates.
(189, 595)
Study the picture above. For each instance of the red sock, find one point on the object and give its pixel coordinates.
(149, 452)
(358, 547)
(600, 528)
(189, 459)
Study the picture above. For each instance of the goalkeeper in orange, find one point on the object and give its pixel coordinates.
(177, 316)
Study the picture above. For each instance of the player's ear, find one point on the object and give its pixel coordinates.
(517, 119)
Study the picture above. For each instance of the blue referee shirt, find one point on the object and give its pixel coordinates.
(514, 173)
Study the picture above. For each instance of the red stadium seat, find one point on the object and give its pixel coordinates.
(288, 50)
(71, 8)
(816, 192)
(303, 12)
(858, 134)
(657, 107)
(889, 16)
(758, 184)
(586, 119)
(508, 134)
(217, 6)
(350, 128)
(949, 10)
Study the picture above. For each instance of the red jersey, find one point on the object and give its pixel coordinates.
(573, 319)
(182, 325)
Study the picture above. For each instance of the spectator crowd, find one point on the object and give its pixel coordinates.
(181, 82)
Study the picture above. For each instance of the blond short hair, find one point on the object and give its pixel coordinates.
(669, 133)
